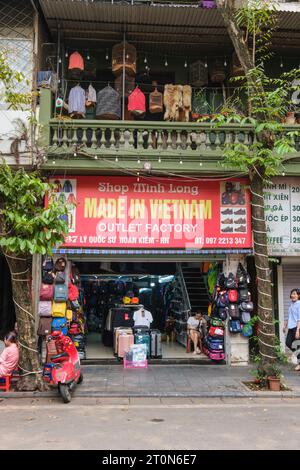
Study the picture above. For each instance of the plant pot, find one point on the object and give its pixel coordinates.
(274, 384)
(290, 118)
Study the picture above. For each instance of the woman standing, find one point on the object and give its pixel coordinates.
(292, 325)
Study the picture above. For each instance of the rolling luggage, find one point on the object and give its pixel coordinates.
(122, 317)
(117, 332)
(156, 346)
(124, 342)
(143, 338)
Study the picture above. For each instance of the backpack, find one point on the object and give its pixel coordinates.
(234, 197)
(247, 330)
(216, 355)
(74, 304)
(225, 198)
(67, 187)
(47, 264)
(244, 295)
(61, 293)
(232, 295)
(45, 308)
(46, 292)
(60, 277)
(59, 324)
(215, 344)
(47, 277)
(235, 326)
(222, 300)
(223, 313)
(245, 317)
(233, 311)
(75, 328)
(73, 292)
(215, 321)
(69, 315)
(216, 332)
(247, 306)
(231, 281)
(44, 328)
(221, 281)
(243, 277)
(59, 309)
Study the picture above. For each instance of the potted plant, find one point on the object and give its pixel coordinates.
(290, 116)
(274, 377)
(260, 376)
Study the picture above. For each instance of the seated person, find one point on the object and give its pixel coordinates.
(142, 317)
(195, 325)
(10, 356)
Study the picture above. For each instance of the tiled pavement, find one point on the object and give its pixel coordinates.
(170, 381)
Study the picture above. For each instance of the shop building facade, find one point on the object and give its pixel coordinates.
(146, 170)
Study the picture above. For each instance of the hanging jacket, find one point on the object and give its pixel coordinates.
(76, 61)
(77, 100)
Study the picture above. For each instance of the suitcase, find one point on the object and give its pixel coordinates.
(122, 317)
(156, 346)
(143, 338)
(124, 343)
(117, 332)
(141, 329)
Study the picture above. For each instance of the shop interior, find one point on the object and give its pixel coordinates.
(169, 291)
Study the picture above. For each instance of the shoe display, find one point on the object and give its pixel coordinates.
(227, 221)
(240, 212)
(227, 212)
(240, 221)
(241, 228)
(227, 229)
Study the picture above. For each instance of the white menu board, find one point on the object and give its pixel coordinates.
(282, 214)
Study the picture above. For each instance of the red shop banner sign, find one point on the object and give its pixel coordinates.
(124, 212)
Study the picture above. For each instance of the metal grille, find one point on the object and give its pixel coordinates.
(16, 19)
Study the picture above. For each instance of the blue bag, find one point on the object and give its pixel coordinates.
(61, 293)
(235, 326)
(214, 344)
(60, 324)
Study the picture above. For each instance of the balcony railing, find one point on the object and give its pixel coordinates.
(129, 138)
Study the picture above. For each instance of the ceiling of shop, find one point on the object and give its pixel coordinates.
(175, 27)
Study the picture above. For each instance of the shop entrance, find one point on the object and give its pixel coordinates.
(170, 291)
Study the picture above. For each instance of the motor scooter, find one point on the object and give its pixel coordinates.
(62, 365)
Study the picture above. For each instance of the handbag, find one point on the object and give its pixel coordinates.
(60, 277)
(47, 277)
(44, 328)
(73, 292)
(46, 292)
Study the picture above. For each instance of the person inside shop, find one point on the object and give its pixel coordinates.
(142, 317)
(10, 356)
(195, 329)
(292, 326)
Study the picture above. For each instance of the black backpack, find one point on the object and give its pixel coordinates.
(243, 277)
(233, 311)
(231, 281)
(244, 295)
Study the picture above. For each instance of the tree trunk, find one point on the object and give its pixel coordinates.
(266, 336)
(30, 368)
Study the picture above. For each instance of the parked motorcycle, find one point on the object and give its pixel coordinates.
(62, 367)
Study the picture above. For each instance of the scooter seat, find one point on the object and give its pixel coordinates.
(59, 356)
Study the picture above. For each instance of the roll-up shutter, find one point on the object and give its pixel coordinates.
(291, 280)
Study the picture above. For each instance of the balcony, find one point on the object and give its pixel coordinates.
(109, 145)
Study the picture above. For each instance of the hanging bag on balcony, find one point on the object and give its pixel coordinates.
(108, 104)
(137, 103)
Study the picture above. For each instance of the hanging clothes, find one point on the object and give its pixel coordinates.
(91, 94)
(137, 102)
(77, 100)
(108, 104)
(76, 61)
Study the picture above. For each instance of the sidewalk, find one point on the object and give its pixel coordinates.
(169, 381)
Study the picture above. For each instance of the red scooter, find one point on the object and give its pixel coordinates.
(62, 366)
